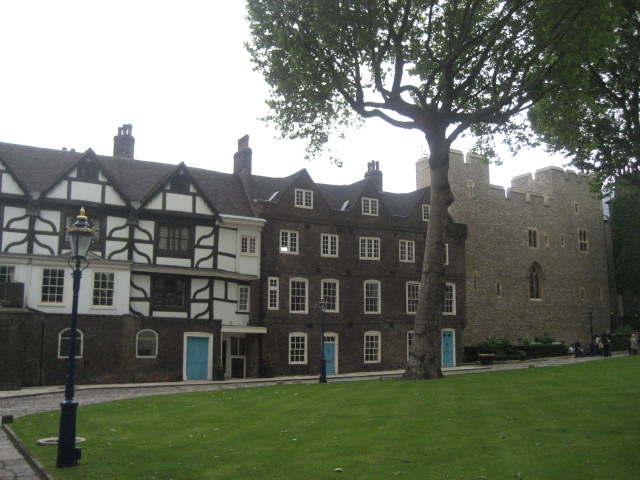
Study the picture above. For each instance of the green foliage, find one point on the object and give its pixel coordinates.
(545, 339)
(593, 114)
(425, 65)
(625, 230)
(497, 346)
(540, 423)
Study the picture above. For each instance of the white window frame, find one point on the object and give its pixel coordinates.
(302, 348)
(370, 206)
(329, 244)
(7, 273)
(412, 297)
(154, 337)
(273, 296)
(369, 248)
(79, 338)
(49, 287)
(449, 299)
(583, 240)
(335, 298)
(303, 198)
(98, 292)
(409, 342)
(244, 299)
(305, 282)
(378, 297)
(407, 251)
(426, 211)
(248, 245)
(289, 242)
(372, 353)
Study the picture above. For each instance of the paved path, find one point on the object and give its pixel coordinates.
(16, 464)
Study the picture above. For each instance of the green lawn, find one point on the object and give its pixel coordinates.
(572, 422)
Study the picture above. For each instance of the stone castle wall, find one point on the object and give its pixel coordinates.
(556, 204)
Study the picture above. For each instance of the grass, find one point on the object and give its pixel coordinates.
(577, 421)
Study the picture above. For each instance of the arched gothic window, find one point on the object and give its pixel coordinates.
(535, 281)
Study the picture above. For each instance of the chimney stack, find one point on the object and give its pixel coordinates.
(374, 174)
(124, 142)
(242, 158)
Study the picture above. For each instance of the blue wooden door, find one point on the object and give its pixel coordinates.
(197, 358)
(329, 356)
(447, 349)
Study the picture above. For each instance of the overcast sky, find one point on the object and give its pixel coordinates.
(73, 71)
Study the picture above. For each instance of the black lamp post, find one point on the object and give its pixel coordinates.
(80, 236)
(323, 361)
(592, 346)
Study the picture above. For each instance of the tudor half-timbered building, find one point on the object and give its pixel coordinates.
(191, 269)
(166, 294)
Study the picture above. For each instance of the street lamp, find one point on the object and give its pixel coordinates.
(323, 361)
(592, 345)
(80, 236)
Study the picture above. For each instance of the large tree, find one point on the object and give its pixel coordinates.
(442, 67)
(595, 120)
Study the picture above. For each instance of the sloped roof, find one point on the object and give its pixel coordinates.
(37, 168)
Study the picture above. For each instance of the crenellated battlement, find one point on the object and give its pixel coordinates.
(469, 178)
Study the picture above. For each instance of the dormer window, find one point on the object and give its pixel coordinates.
(370, 206)
(425, 212)
(304, 198)
(87, 171)
(179, 184)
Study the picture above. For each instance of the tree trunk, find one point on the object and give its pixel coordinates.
(425, 360)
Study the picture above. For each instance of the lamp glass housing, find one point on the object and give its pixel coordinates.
(80, 237)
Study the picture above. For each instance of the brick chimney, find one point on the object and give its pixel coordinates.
(123, 143)
(242, 158)
(374, 174)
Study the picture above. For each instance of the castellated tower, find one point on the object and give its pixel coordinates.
(536, 254)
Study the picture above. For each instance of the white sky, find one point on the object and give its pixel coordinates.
(74, 71)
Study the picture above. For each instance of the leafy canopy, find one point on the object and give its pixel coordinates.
(418, 64)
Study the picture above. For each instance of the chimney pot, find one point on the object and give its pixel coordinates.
(124, 143)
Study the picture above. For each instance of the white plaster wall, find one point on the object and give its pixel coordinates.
(10, 237)
(111, 196)
(179, 203)
(115, 246)
(147, 226)
(226, 263)
(204, 237)
(147, 250)
(9, 185)
(218, 289)
(50, 240)
(227, 313)
(197, 309)
(12, 212)
(174, 262)
(59, 191)
(199, 284)
(140, 307)
(228, 241)
(86, 191)
(155, 203)
(52, 216)
(115, 223)
(202, 207)
(203, 253)
(140, 281)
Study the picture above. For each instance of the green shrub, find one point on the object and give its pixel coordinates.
(545, 339)
(498, 346)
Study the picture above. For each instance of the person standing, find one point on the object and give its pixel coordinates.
(606, 343)
(633, 344)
